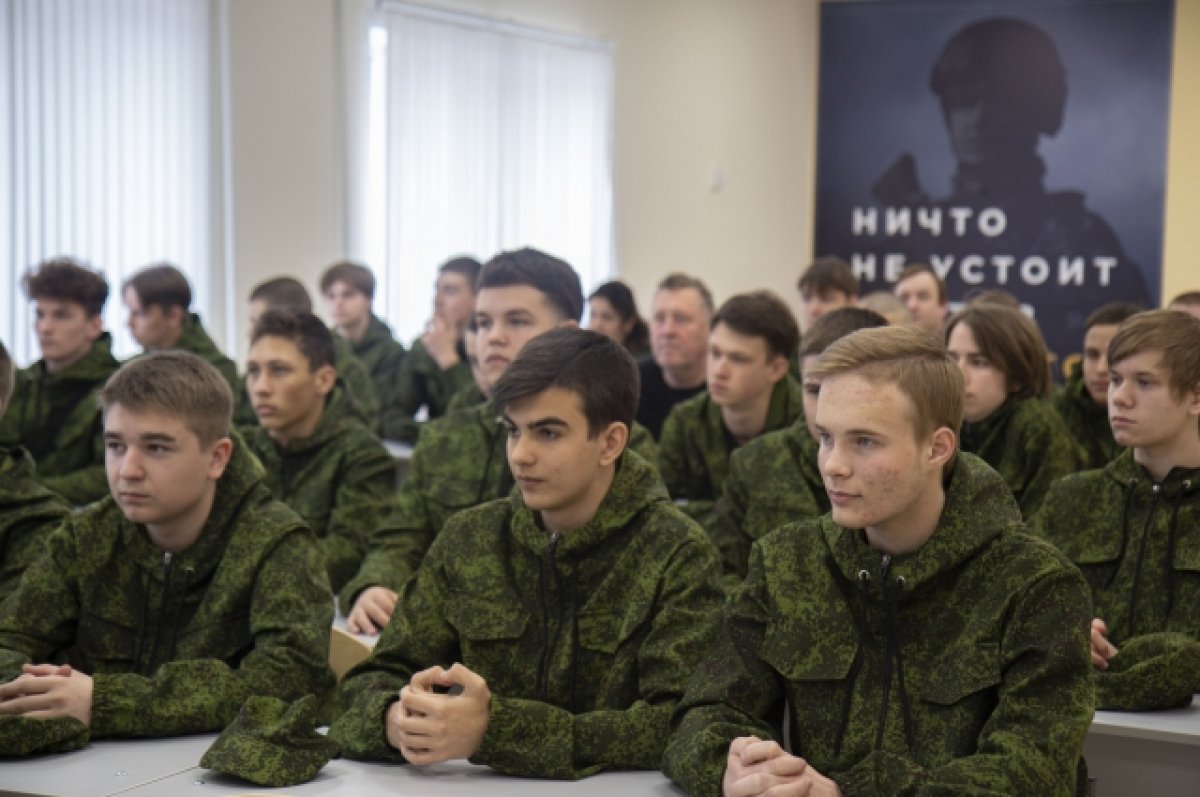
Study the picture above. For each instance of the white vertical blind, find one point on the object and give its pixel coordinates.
(106, 146)
(494, 137)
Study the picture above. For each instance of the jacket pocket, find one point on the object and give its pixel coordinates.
(485, 619)
(228, 639)
(961, 673)
(104, 644)
(792, 650)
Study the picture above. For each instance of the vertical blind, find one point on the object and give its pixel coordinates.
(107, 146)
(487, 137)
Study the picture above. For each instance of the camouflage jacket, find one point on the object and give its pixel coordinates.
(383, 356)
(423, 383)
(466, 396)
(341, 480)
(1027, 443)
(586, 640)
(1138, 545)
(459, 462)
(55, 417)
(772, 480)
(1087, 422)
(962, 667)
(176, 644)
(1136, 541)
(694, 446)
(352, 375)
(28, 512)
(196, 340)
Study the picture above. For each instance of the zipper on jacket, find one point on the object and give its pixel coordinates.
(548, 644)
(168, 559)
(1137, 567)
(884, 564)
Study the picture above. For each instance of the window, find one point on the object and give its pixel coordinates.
(107, 146)
(482, 136)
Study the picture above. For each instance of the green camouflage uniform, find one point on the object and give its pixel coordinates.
(341, 480)
(459, 462)
(1137, 543)
(352, 375)
(383, 356)
(196, 340)
(423, 383)
(55, 416)
(959, 668)
(466, 396)
(694, 447)
(28, 512)
(586, 640)
(773, 480)
(1027, 443)
(1087, 421)
(176, 644)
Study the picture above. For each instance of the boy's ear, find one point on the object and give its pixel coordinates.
(326, 378)
(1193, 401)
(943, 446)
(94, 328)
(218, 459)
(615, 436)
(778, 367)
(175, 314)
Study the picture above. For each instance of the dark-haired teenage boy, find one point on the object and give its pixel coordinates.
(921, 640)
(566, 618)
(53, 411)
(160, 609)
(459, 460)
(159, 301)
(349, 291)
(753, 339)
(319, 457)
(1083, 401)
(774, 479)
(1133, 528)
(28, 509)
(826, 285)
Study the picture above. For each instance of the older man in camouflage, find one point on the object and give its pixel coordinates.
(570, 614)
(922, 640)
(459, 460)
(319, 457)
(169, 603)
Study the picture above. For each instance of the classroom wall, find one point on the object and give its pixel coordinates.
(700, 85)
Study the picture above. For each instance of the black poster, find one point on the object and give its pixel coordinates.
(1016, 145)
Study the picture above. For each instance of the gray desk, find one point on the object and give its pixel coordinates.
(452, 779)
(103, 767)
(1152, 753)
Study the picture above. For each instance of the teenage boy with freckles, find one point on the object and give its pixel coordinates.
(922, 640)
(564, 619)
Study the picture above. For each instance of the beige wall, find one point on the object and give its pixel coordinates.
(699, 84)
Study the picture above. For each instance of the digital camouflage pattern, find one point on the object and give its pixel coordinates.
(961, 667)
(586, 640)
(272, 743)
(1152, 672)
(340, 480)
(1137, 543)
(20, 735)
(55, 417)
(196, 340)
(1086, 420)
(352, 375)
(28, 512)
(466, 396)
(1028, 444)
(423, 383)
(175, 644)
(459, 462)
(773, 480)
(383, 356)
(694, 447)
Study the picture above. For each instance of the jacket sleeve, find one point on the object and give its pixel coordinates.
(397, 545)
(1032, 742)
(672, 458)
(364, 500)
(731, 694)
(290, 617)
(1050, 453)
(575, 745)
